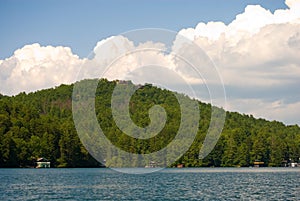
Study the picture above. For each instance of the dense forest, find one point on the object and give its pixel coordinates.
(40, 124)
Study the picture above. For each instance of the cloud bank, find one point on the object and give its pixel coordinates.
(34, 67)
(257, 55)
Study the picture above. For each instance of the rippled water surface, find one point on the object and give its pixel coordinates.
(168, 184)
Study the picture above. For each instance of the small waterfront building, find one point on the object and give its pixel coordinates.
(294, 164)
(152, 164)
(42, 163)
(180, 166)
(258, 163)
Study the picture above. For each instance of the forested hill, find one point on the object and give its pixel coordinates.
(40, 124)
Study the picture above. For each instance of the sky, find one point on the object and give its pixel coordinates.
(254, 44)
(81, 24)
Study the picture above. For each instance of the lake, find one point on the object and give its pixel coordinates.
(167, 184)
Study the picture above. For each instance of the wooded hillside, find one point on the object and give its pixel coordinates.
(40, 124)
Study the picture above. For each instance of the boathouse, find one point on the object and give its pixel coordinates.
(258, 163)
(42, 163)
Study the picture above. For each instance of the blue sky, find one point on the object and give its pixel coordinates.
(255, 44)
(81, 24)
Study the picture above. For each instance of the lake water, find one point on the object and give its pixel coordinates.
(168, 184)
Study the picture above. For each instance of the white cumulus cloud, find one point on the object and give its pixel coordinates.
(256, 53)
(34, 67)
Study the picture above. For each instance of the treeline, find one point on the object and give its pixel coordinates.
(40, 124)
